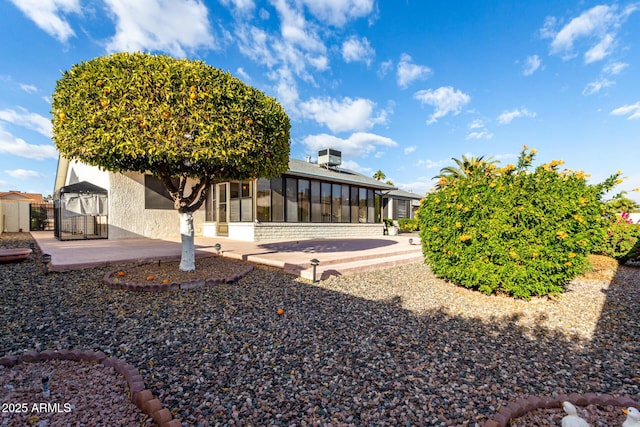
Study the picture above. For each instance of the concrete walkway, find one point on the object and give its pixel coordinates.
(336, 256)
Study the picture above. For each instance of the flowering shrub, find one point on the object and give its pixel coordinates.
(620, 240)
(408, 225)
(513, 231)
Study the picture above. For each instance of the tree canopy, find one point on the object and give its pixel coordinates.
(174, 118)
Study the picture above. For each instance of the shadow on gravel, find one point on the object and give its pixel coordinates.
(222, 353)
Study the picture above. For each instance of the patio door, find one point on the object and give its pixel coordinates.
(222, 209)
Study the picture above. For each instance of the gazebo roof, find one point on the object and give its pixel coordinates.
(83, 187)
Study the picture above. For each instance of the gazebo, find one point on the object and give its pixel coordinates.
(81, 212)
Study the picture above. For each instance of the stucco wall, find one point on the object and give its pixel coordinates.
(128, 218)
(79, 172)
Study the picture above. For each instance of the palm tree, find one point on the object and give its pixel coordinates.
(621, 203)
(379, 175)
(466, 167)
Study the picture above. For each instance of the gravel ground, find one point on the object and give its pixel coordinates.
(391, 347)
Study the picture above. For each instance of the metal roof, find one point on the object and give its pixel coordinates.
(405, 194)
(313, 170)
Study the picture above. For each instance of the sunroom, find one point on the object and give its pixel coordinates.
(311, 200)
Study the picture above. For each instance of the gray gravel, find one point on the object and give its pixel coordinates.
(391, 347)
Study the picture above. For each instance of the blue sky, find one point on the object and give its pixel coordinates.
(397, 85)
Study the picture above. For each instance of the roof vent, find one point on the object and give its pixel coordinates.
(329, 157)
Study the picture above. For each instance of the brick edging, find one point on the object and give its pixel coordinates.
(522, 406)
(174, 286)
(140, 396)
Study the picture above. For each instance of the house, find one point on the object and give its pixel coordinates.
(311, 200)
(16, 211)
(398, 204)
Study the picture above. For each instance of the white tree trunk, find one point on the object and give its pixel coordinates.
(188, 259)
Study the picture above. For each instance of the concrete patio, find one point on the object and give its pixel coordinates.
(336, 256)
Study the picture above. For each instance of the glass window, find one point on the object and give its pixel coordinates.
(263, 200)
(370, 206)
(156, 195)
(325, 201)
(346, 208)
(246, 203)
(292, 199)
(234, 202)
(304, 200)
(362, 205)
(354, 204)
(378, 206)
(316, 211)
(277, 200)
(210, 207)
(336, 205)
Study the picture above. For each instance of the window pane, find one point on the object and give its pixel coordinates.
(277, 200)
(336, 207)
(378, 206)
(325, 201)
(263, 200)
(354, 204)
(292, 199)
(345, 204)
(209, 212)
(362, 205)
(316, 211)
(304, 198)
(370, 205)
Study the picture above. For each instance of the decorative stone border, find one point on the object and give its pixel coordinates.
(174, 286)
(142, 397)
(522, 406)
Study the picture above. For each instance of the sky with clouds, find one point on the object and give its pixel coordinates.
(398, 86)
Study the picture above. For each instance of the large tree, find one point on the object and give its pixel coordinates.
(183, 121)
(467, 167)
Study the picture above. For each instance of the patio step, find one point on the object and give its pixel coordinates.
(374, 262)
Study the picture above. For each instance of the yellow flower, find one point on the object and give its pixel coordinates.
(435, 229)
(458, 224)
(443, 180)
(618, 181)
(561, 235)
(580, 174)
(513, 254)
(437, 200)
(464, 238)
(459, 206)
(492, 184)
(466, 209)
(583, 201)
(571, 255)
(534, 151)
(568, 264)
(527, 159)
(534, 255)
(636, 189)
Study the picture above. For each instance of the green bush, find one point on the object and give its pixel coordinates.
(620, 240)
(388, 222)
(513, 231)
(408, 225)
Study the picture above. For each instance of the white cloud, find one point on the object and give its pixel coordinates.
(446, 100)
(407, 72)
(420, 186)
(339, 12)
(356, 49)
(10, 144)
(482, 134)
(384, 68)
(507, 116)
(596, 86)
(345, 115)
(633, 110)
(615, 68)
(23, 173)
(242, 73)
(597, 26)
(242, 6)
(354, 166)
(359, 144)
(430, 164)
(28, 88)
(172, 26)
(601, 50)
(409, 150)
(531, 65)
(49, 15)
(28, 120)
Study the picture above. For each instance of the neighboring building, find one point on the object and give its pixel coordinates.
(400, 204)
(311, 200)
(16, 211)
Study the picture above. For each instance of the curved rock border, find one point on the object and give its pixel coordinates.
(174, 286)
(522, 406)
(142, 397)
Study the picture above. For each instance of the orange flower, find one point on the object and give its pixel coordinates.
(280, 312)
(120, 273)
(149, 277)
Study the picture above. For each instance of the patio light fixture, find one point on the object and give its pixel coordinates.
(410, 241)
(314, 264)
(45, 259)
